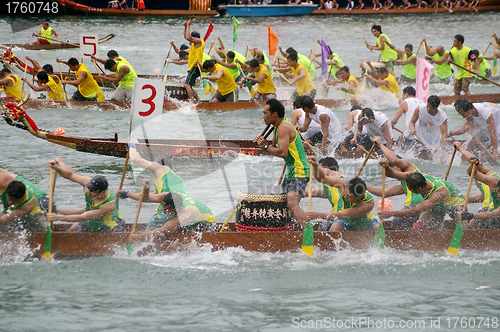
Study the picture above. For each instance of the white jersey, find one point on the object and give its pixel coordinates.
(334, 128)
(355, 122)
(412, 104)
(375, 127)
(428, 126)
(485, 110)
(313, 129)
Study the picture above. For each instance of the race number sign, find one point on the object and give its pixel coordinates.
(88, 44)
(147, 100)
(424, 69)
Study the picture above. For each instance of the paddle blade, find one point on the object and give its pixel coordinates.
(48, 243)
(129, 248)
(308, 239)
(209, 88)
(379, 240)
(250, 88)
(495, 66)
(456, 238)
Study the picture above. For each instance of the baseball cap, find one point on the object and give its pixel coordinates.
(195, 34)
(97, 183)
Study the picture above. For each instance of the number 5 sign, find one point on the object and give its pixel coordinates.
(423, 78)
(88, 44)
(147, 100)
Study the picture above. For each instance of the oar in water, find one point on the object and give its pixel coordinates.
(484, 148)
(283, 77)
(456, 238)
(366, 151)
(64, 85)
(102, 82)
(474, 73)
(451, 162)
(168, 57)
(48, 235)
(141, 197)
(379, 240)
(421, 141)
(366, 159)
(308, 235)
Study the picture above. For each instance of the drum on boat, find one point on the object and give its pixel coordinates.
(263, 209)
(176, 91)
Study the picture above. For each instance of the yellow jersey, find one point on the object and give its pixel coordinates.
(305, 85)
(226, 83)
(267, 85)
(56, 91)
(195, 54)
(89, 87)
(394, 86)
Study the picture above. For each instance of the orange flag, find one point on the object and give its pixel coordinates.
(273, 41)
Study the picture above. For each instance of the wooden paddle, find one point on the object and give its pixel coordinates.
(129, 246)
(124, 170)
(59, 41)
(482, 145)
(168, 57)
(102, 82)
(366, 159)
(486, 48)
(451, 162)
(48, 235)
(456, 238)
(428, 148)
(283, 77)
(64, 85)
(308, 234)
(366, 151)
(478, 75)
(379, 240)
(418, 48)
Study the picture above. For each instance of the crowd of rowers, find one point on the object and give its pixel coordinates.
(233, 69)
(428, 198)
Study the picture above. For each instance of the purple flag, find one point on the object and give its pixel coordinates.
(325, 53)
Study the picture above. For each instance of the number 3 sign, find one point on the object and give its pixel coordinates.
(424, 69)
(147, 100)
(88, 45)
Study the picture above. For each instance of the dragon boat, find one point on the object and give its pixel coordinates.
(56, 45)
(71, 245)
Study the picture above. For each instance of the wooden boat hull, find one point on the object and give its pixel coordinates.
(85, 244)
(370, 11)
(269, 10)
(54, 46)
(228, 106)
(139, 13)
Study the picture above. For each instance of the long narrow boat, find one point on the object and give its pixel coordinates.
(151, 148)
(138, 13)
(66, 245)
(398, 11)
(170, 105)
(269, 10)
(56, 45)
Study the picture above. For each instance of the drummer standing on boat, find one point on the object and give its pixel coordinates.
(195, 54)
(460, 55)
(46, 35)
(288, 145)
(88, 89)
(382, 44)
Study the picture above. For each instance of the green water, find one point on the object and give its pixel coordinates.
(234, 290)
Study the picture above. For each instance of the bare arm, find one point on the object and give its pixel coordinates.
(389, 192)
(462, 130)
(435, 198)
(402, 109)
(67, 172)
(444, 134)
(414, 120)
(387, 134)
(13, 215)
(88, 215)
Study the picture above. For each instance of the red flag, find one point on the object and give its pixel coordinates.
(209, 31)
(273, 41)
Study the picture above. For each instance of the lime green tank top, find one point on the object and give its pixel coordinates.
(296, 164)
(334, 197)
(483, 66)
(127, 81)
(410, 69)
(488, 196)
(387, 52)
(29, 198)
(39, 193)
(361, 222)
(204, 212)
(411, 198)
(443, 70)
(169, 182)
(308, 64)
(106, 222)
(455, 198)
(332, 70)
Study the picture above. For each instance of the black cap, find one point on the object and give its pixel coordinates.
(195, 34)
(97, 183)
